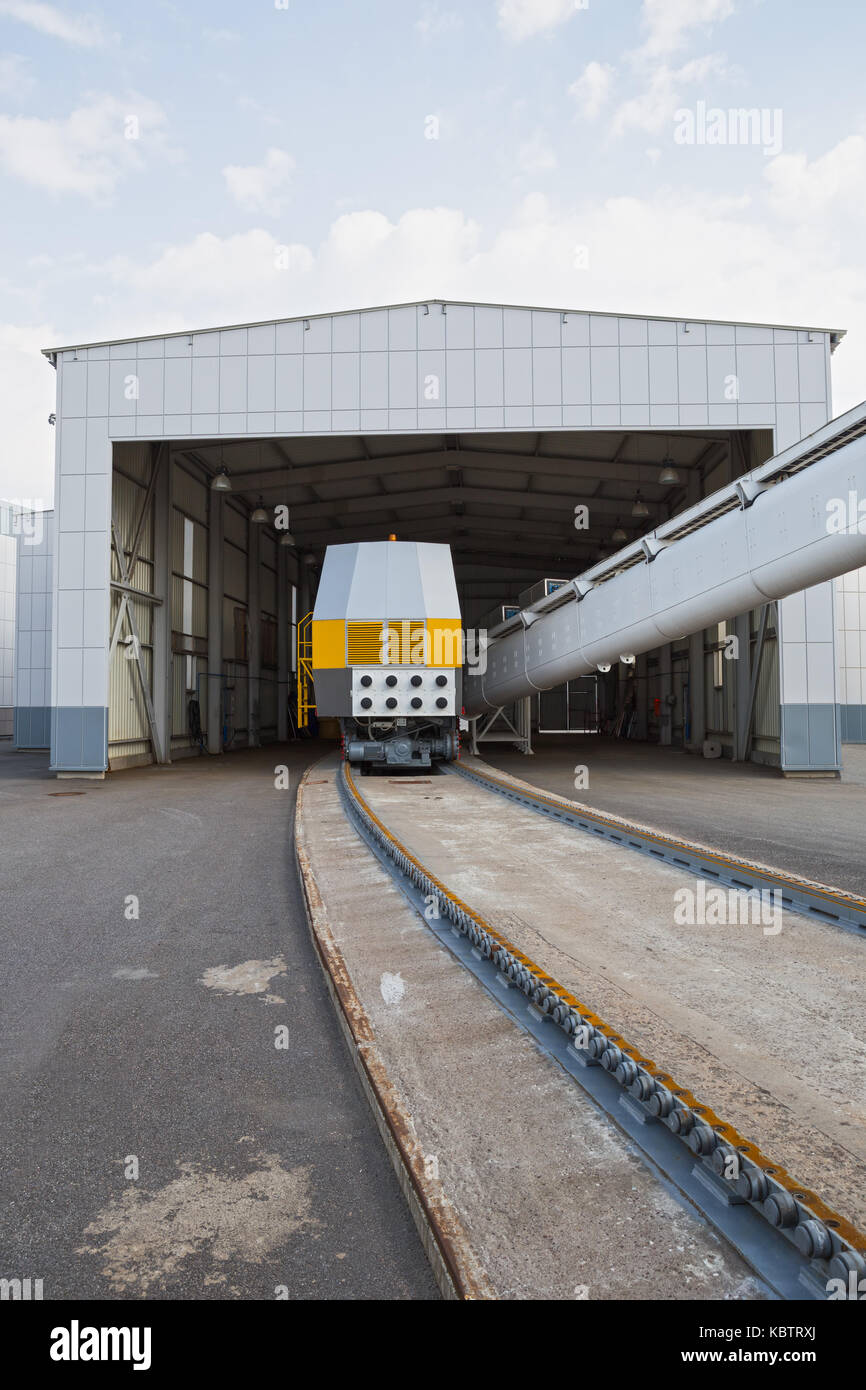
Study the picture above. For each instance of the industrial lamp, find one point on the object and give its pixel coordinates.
(221, 482)
(618, 534)
(259, 516)
(669, 474)
(639, 507)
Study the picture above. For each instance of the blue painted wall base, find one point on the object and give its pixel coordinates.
(32, 726)
(79, 739)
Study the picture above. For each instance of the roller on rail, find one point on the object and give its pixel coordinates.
(385, 609)
(387, 652)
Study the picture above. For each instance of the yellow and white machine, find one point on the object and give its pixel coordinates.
(387, 651)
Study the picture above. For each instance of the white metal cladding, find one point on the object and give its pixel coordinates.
(394, 580)
(435, 365)
(8, 565)
(31, 627)
(778, 545)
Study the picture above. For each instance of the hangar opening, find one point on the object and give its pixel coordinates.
(516, 508)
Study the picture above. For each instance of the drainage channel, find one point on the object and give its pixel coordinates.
(793, 1241)
(796, 894)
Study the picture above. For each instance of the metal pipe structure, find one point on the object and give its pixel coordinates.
(795, 521)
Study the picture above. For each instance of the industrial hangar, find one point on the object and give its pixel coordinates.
(201, 476)
(621, 504)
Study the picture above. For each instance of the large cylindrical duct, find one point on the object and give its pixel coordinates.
(786, 532)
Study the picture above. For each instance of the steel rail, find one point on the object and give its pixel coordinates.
(797, 894)
(792, 1239)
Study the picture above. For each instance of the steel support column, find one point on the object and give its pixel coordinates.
(742, 681)
(641, 675)
(697, 692)
(283, 620)
(254, 653)
(215, 623)
(666, 686)
(162, 616)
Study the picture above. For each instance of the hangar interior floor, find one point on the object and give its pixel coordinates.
(813, 827)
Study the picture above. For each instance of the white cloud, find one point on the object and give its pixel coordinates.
(534, 156)
(653, 108)
(261, 187)
(433, 22)
(226, 36)
(87, 152)
(707, 256)
(521, 19)
(27, 460)
(592, 88)
(16, 79)
(668, 22)
(83, 31)
(837, 179)
(657, 85)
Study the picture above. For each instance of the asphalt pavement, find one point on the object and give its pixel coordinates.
(180, 1116)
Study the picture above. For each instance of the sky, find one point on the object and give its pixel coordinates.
(176, 166)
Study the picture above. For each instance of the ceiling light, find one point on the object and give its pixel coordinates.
(639, 507)
(221, 482)
(287, 539)
(618, 534)
(259, 516)
(669, 474)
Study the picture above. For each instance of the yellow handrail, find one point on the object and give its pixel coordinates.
(306, 702)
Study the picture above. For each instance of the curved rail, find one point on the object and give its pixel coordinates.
(786, 1231)
(797, 894)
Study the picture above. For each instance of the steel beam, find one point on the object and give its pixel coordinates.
(136, 647)
(283, 620)
(254, 618)
(215, 607)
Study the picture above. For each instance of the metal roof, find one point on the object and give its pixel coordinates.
(836, 334)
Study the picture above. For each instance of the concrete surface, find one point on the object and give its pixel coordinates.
(765, 1029)
(815, 827)
(556, 1201)
(153, 1039)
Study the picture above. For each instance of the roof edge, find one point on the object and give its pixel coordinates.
(835, 334)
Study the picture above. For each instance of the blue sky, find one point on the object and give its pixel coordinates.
(556, 175)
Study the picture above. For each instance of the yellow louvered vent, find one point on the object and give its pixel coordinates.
(364, 644)
(407, 643)
(399, 643)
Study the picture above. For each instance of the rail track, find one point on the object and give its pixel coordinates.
(794, 1240)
